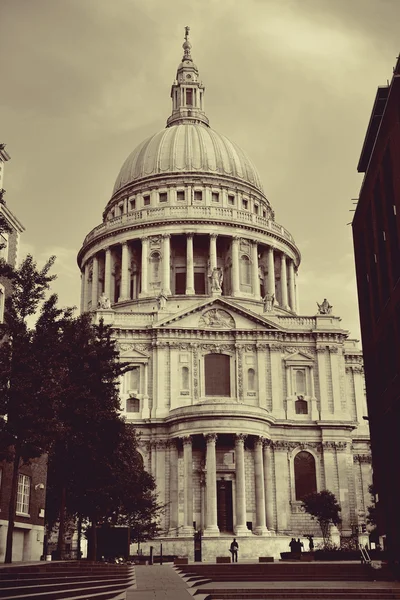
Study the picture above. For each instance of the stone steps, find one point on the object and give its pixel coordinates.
(65, 581)
(300, 594)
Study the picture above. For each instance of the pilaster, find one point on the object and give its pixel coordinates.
(241, 514)
(211, 528)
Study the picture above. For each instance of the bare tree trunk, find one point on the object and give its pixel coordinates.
(61, 529)
(92, 555)
(12, 505)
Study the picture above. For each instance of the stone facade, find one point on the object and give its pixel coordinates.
(233, 392)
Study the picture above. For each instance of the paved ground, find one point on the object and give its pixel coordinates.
(158, 582)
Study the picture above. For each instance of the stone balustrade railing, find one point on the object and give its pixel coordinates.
(171, 213)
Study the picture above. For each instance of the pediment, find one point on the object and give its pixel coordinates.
(127, 351)
(218, 314)
(298, 357)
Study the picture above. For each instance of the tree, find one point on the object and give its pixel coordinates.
(26, 429)
(324, 508)
(94, 462)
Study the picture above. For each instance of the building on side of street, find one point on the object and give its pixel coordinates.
(376, 233)
(29, 518)
(244, 404)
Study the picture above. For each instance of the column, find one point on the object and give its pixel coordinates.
(86, 287)
(292, 291)
(282, 486)
(144, 270)
(154, 459)
(345, 465)
(213, 251)
(188, 485)
(235, 267)
(107, 273)
(95, 282)
(83, 291)
(254, 271)
(166, 286)
(241, 515)
(125, 279)
(211, 486)
(260, 528)
(269, 485)
(189, 265)
(144, 389)
(314, 407)
(296, 289)
(271, 271)
(322, 377)
(284, 294)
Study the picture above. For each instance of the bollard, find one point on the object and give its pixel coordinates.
(161, 553)
(151, 555)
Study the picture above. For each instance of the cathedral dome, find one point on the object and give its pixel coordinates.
(187, 147)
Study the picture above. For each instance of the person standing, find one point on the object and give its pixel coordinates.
(234, 550)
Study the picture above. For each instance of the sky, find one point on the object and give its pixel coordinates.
(292, 82)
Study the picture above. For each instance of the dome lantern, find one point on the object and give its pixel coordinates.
(187, 92)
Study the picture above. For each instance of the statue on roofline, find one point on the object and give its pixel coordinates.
(325, 308)
(104, 302)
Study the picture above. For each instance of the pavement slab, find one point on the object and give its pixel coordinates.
(158, 582)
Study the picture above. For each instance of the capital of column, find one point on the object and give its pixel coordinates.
(211, 438)
(165, 235)
(259, 441)
(214, 236)
(240, 438)
(187, 440)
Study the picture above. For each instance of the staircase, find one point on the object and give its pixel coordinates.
(288, 581)
(76, 580)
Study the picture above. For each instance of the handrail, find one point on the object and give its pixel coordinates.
(365, 557)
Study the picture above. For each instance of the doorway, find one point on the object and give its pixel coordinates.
(224, 506)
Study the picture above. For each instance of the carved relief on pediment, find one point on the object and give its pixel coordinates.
(217, 318)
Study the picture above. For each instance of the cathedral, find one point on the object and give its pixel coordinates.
(243, 405)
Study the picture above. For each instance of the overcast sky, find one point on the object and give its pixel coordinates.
(83, 82)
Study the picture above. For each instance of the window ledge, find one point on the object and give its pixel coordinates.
(21, 514)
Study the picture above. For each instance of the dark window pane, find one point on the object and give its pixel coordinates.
(304, 474)
(180, 283)
(199, 283)
(217, 375)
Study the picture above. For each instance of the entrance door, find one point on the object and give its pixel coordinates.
(224, 506)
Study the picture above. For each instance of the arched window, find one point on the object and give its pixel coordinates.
(217, 375)
(155, 267)
(304, 474)
(301, 406)
(245, 270)
(251, 380)
(300, 382)
(185, 378)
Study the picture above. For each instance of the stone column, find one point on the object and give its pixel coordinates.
(125, 279)
(269, 485)
(235, 267)
(271, 271)
(107, 273)
(95, 282)
(292, 291)
(213, 251)
(188, 485)
(322, 377)
(254, 271)
(154, 459)
(241, 514)
(166, 286)
(345, 466)
(211, 486)
(83, 291)
(284, 294)
(282, 486)
(296, 289)
(260, 528)
(86, 288)
(146, 407)
(189, 265)
(144, 270)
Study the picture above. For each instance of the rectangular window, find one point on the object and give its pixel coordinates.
(264, 213)
(245, 204)
(217, 375)
(180, 283)
(132, 204)
(23, 494)
(134, 380)
(146, 200)
(199, 283)
(215, 196)
(180, 195)
(133, 405)
(231, 200)
(256, 209)
(198, 196)
(189, 97)
(163, 196)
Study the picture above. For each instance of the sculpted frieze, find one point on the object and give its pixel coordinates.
(363, 458)
(308, 352)
(217, 318)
